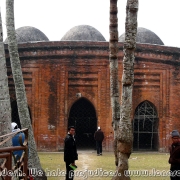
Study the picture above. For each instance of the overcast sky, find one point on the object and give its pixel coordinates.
(55, 17)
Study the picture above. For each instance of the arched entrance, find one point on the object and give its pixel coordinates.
(83, 116)
(15, 114)
(145, 125)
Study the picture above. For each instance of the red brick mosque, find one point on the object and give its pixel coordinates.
(67, 83)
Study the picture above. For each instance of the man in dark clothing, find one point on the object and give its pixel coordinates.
(174, 158)
(99, 136)
(70, 153)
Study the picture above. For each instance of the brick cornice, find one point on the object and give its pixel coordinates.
(91, 50)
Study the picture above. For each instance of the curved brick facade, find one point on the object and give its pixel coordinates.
(54, 72)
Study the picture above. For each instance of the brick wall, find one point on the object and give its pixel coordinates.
(54, 72)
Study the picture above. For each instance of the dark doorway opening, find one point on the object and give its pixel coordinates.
(145, 125)
(15, 114)
(83, 117)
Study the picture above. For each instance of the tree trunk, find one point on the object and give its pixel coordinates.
(33, 159)
(124, 135)
(113, 58)
(5, 107)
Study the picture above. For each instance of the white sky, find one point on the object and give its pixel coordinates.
(55, 17)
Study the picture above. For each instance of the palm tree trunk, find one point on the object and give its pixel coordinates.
(113, 59)
(33, 159)
(124, 135)
(5, 107)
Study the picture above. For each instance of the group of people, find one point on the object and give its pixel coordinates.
(71, 155)
(70, 150)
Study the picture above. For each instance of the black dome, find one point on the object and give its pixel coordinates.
(28, 34)
(144, 36)
(83, 33)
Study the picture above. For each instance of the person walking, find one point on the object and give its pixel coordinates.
(70, 153)
(174, 158)
(99, 136)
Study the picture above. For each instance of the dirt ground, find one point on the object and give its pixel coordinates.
(91, 166)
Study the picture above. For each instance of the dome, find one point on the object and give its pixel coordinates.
(29, 34)
(144, 36)
(83, 33)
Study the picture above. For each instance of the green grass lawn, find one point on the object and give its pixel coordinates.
(151, 163)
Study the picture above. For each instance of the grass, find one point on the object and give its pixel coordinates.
(152, 162)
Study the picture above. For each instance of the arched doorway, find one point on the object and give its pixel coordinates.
(15, 114)
(145, 125)
(83, 116)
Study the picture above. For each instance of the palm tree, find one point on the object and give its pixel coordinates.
(5, 107)
(33, 160)
(113, 59)
(123, 131)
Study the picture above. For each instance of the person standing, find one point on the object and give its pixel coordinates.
(99, 136)
(70, 153)
(174, 158)
(16, 140)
